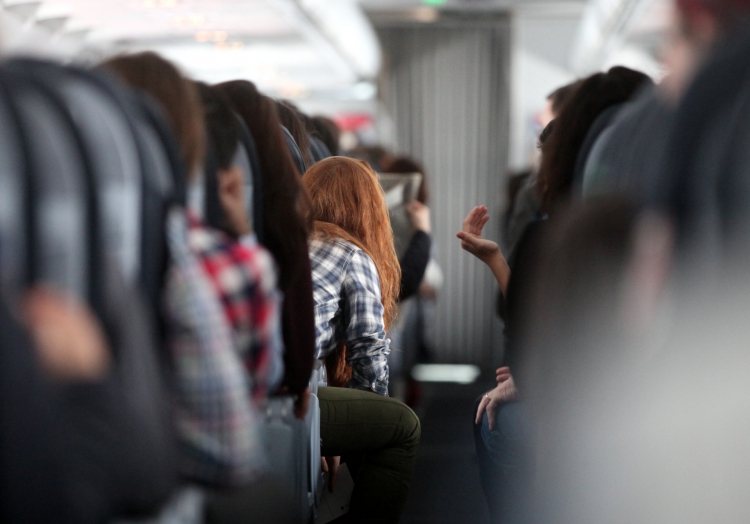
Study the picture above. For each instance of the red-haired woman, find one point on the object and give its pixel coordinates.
(356, 278)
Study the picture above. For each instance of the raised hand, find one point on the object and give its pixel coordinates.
(471, 236)
(475, 221)
(419, 215)
(485, 250)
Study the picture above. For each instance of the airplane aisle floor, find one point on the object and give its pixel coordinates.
(445, 488)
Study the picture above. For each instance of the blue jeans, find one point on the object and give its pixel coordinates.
(504, 456)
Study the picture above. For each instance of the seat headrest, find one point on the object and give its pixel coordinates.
(294, 151)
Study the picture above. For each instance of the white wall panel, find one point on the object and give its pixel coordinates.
(446, 87)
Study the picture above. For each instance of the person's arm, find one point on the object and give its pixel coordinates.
(365, 328)
(485, 250)
(266, 352)
(414, 264)
(417, 256)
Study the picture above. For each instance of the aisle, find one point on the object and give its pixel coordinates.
(446, 489)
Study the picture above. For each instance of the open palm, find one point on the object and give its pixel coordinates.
(471, 235)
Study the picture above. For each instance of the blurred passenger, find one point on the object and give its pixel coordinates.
(706, 172)
(294, 121)
(632, 157)
(555, 101)
(356, 281)
(376, 156)
(253, 303)
(318, 148)
(283, 232)
(417, 252)
(419, 280)
(218, 431)
(683, 149)
(596, 97)
(60, 343)
(523, 205)
(504, 447)
(591, 367)
(328, 132)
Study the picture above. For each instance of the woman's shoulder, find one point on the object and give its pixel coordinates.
(333, 248)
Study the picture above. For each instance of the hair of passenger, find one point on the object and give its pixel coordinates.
(559, 96)
(285, 202)
(348, 203)
(545, 134)
(177, 95)
(222, 128)
(294, 121)
(407, 165)
(560, 153)
(326, 129)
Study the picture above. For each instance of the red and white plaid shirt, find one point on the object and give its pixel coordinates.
(244, 276)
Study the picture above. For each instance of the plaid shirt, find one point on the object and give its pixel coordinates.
(244, 275)
(348, 308)
(217, 422)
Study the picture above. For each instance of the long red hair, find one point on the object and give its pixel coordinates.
(348, 203)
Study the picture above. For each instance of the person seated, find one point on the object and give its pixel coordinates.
(294, 122)
(283, 231)
(356, 279)
(220, 301)
(253, 304)
(53, 340)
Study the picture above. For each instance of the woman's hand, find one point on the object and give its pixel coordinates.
(471, 236)
(502, 374)
(504, 392)
(419, 215)
(485, 250)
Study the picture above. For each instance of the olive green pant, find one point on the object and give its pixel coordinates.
(382, 435)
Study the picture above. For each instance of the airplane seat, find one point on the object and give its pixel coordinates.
(13, 208)
(113, 155)
(597, 130)
(294, 151)
(118, 428)
(318, 149)
(254, 183)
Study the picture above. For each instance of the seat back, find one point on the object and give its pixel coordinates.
(294, 151)
(254, 185)
(318, 149)
(68, 246)
(287, 447)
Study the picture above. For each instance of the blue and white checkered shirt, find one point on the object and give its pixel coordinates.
(348, 308)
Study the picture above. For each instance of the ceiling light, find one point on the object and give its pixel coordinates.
(163, 4)
(426, 15)
(212, 36)
(229, 46)
(189, 21)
